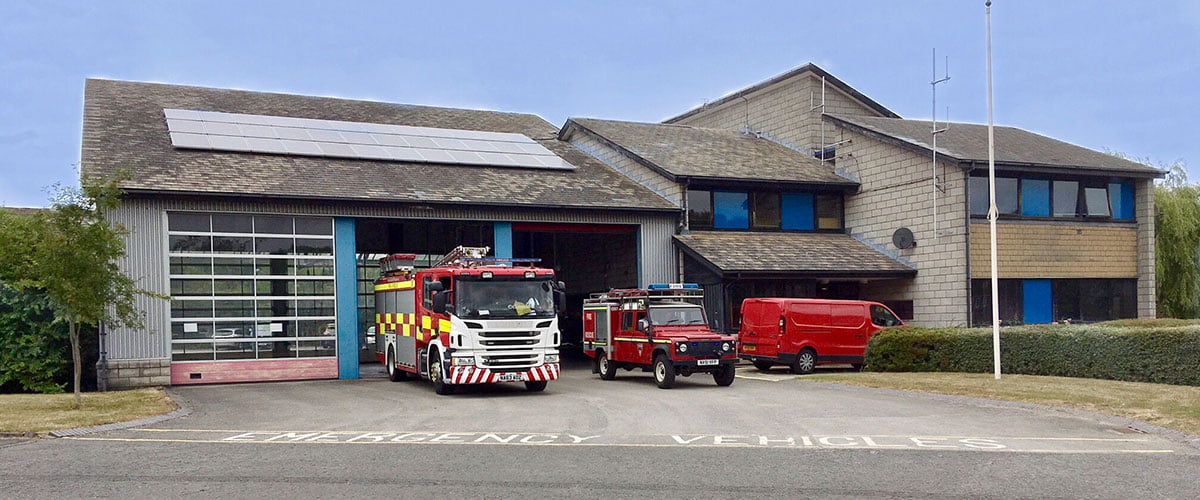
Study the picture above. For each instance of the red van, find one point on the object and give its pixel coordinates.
(802, 333)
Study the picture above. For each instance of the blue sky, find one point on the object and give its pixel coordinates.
(1103, 74)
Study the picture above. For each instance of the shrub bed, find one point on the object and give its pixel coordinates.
(1159, 354)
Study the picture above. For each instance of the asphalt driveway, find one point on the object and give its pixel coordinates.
(763, 437)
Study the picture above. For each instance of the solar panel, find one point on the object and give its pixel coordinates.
(211, 130)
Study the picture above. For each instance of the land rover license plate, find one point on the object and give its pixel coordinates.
(706, 362)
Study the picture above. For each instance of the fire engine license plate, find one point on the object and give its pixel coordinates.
(509, 377)
(706, 362)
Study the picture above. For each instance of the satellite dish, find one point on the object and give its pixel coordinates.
(903, 238)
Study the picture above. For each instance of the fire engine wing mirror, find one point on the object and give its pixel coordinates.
(643, 326)
(560, 300)
(440, 300)
(435, 286)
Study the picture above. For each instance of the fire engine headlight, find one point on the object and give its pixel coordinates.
(462, 361)
(551, 358)
(682, 347)
(726, 347)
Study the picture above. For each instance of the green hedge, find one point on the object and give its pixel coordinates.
(1167, 354)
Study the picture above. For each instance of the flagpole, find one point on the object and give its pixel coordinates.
(993, 212)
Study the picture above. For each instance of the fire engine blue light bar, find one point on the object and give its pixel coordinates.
(672, 286)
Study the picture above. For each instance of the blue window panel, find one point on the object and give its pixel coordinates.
(798, 211)
(1039, 302)
(731, 210)
(346, 290)
(1035, 197)
(1121, 197)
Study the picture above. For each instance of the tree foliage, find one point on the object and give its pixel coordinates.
(32, 345)
(70, 254)
(1177, 240)
(1177, 230)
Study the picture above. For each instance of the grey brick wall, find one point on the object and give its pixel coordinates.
(1147, 299)
(784, 112)
(897, 192)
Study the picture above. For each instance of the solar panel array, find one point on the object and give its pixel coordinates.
(210, 130)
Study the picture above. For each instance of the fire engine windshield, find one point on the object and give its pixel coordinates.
(504, 299)
(677, 315)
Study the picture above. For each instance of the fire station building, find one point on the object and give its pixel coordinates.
(262, 216)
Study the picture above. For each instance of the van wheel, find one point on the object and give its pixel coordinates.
(664, 372)
(805, 363)
(437, 377)
(763, 365)
(535, 386)
(393, 374)
(724, 376)
(607, 368)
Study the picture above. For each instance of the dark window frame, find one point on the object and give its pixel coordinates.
(750, 199)
(1083, 182)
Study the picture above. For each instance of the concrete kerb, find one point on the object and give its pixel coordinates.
(182, 410)
(1136, 425)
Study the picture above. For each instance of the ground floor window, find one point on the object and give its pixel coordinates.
(251, 287)
(1055, 300)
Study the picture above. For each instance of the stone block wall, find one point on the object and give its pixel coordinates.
(1147, 299)
(897, 191)
(784, 112)
(131, 373)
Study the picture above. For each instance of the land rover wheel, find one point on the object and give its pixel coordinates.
(805, 362)
(664, 372)
(607, 368)
(437, 377)
(535, 386)
(763, 365)
(724, 375)
(394, 374)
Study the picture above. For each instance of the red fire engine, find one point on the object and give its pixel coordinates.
(661, 329)
(468, 320)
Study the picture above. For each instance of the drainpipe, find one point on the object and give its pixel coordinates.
(102, 372)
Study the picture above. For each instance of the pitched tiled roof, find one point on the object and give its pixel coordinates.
(807, 68)
(124, 128)
(814, 254)
(968, 142)
(25, 210)
(681, 151)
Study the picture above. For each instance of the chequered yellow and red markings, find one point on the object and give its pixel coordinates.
(477, 375)
(401, 324)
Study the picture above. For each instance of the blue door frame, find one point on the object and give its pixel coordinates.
(346, 287)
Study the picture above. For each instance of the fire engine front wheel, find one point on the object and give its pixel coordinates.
(724, 375)
(535, 386)
(394, 374)
(664, 372)
(437, 377)
(607, 369)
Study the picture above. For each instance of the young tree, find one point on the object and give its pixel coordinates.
(69, 253)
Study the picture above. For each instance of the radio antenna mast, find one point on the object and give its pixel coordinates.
(937, 186)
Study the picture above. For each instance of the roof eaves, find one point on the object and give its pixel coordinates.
(571, 123)
(259, 196)
(891, 139)
(810, 67)
(848, 184)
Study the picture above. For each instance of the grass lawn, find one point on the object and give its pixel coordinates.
(48, 412)
(1173, 406)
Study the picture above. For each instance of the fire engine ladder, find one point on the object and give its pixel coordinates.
(456, 256)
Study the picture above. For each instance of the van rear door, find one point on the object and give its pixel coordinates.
(760, 327)
(807, 324)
